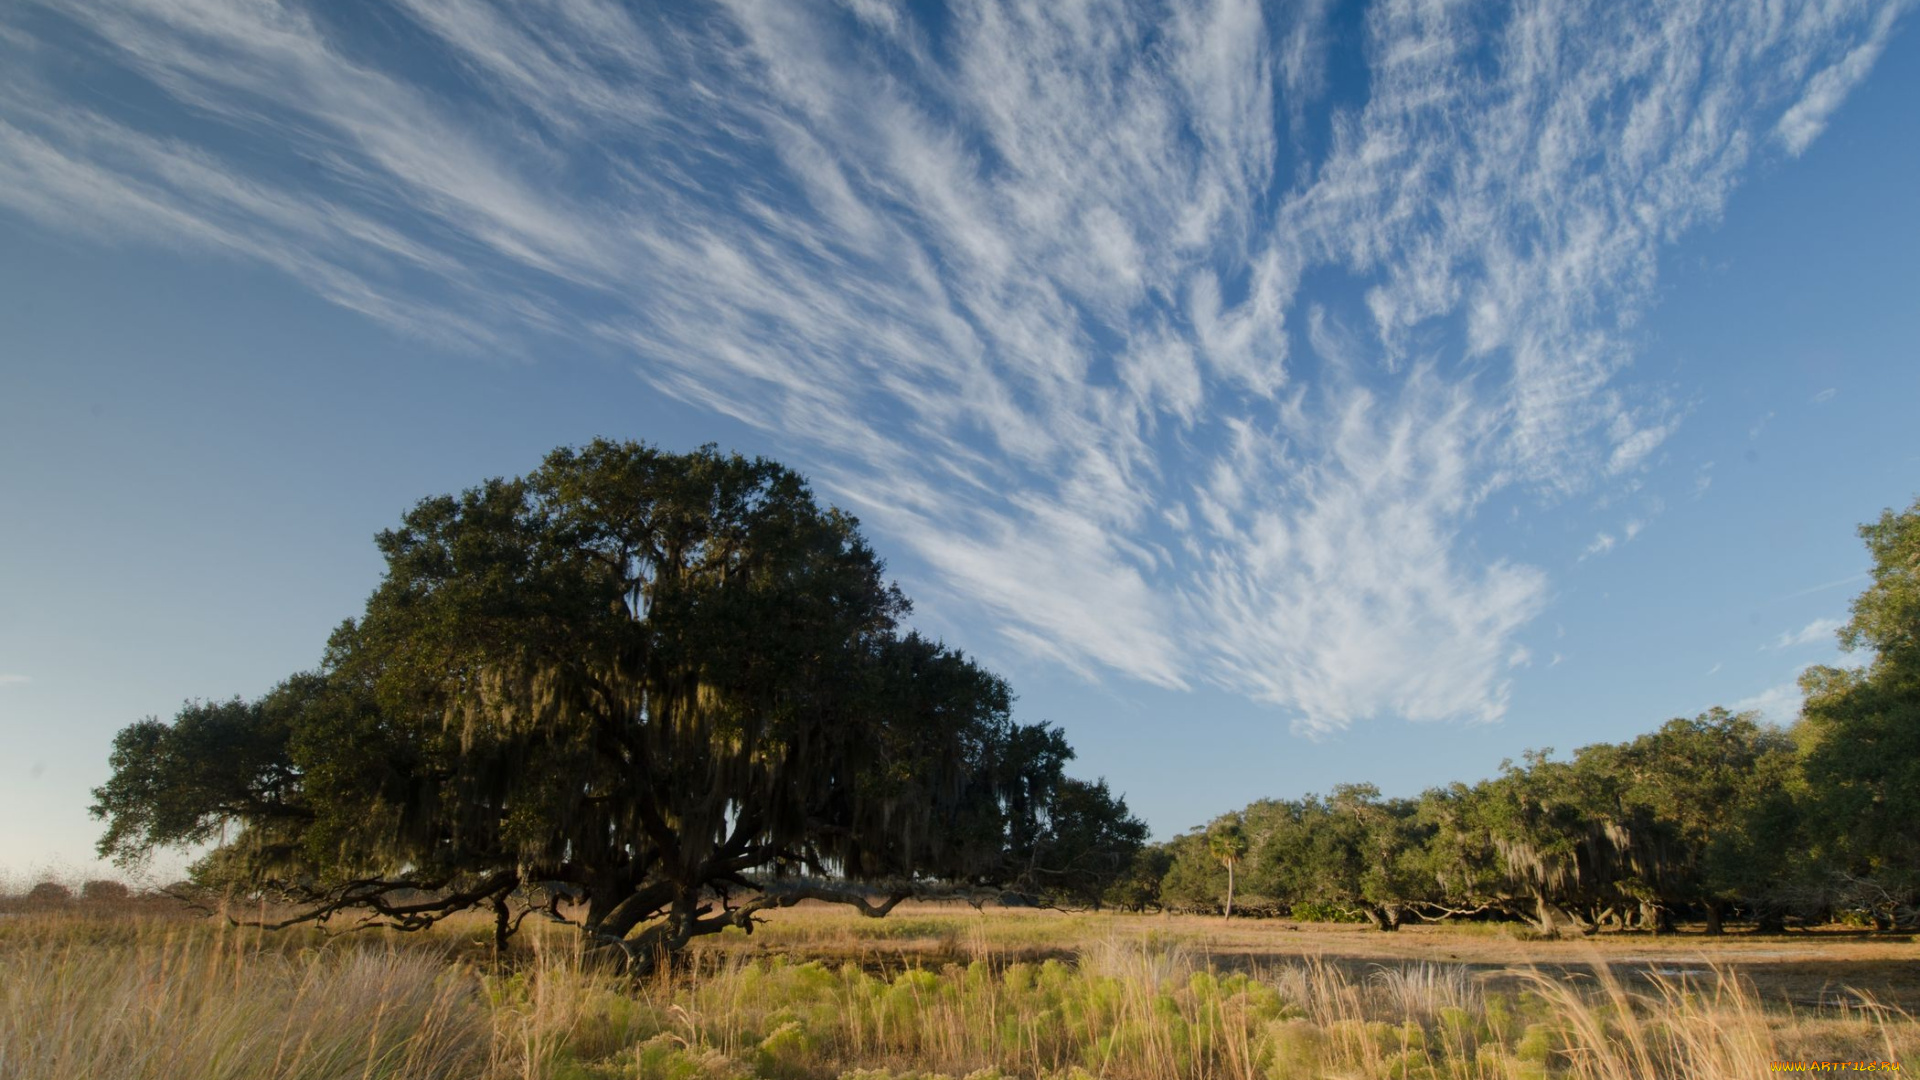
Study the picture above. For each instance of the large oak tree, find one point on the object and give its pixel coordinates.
(653, 691)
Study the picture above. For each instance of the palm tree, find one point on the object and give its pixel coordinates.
(1227, 842)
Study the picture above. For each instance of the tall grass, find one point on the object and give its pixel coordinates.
(168, 1002)
(173, 1001)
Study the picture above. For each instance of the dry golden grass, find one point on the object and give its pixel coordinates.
(824, 994)
(180, 1001)
(1808, 969)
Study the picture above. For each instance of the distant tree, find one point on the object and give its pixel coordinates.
(1195, 879)
(1886, 615)
(49, 893)
(1861, 735)
(1702, 798)
(1765, 857)
(1352, 852)
(1389, 840)
(665, 691)
(1139, 887)
(1084, 845)
(1459, 855)
(1558, 855)
(1227, 843)
(1712, 814)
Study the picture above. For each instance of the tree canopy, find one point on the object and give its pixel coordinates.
(1862, 731)
(1709, 815)
(667, 691)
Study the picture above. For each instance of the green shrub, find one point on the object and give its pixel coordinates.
(1314, 911)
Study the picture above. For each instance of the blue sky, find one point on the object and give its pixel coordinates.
(1277, 397)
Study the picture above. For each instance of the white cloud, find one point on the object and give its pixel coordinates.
(13, 680)
(1819, 630)
(1803, 123)
(1824, 396)
(1635, 444)
(1027, 297)
(1776, 705)
(1823, 586)
(1702, 480)
(1601, 545)
(1334, 587)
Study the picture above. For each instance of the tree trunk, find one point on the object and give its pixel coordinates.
(1543, 916)
(1229, 913)
(1715, 913)
(502, 926)
(1384, 917)
(1656, 917)
(1549, 918)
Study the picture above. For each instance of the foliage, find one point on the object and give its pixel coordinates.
(1138, 888)
(1352, 853)
(1711, 816)
(1227, 843)
(649, 682)
(1084, 848)
(1862, 730)
(1194, 878)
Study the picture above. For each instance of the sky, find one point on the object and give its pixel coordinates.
(1277, 396)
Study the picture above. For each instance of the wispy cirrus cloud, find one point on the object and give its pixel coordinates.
(1165, 352)
(1802, 123)
(1819, 630)
(1779, 705)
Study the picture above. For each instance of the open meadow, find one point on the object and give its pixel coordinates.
(959, 539)
(139, 989)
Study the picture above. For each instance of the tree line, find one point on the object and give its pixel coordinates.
(660, 695)
(1716, 817)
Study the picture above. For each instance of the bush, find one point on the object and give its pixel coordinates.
(1312, 911)
(102, 891)
(49, 892)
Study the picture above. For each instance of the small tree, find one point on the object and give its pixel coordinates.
(1227, 843)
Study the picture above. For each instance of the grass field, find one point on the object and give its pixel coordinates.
(110, 991)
